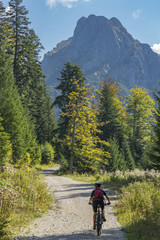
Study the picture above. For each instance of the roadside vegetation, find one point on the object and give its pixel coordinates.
(23, 197)
(138, 210)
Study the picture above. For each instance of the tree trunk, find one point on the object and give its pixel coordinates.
(72, 146)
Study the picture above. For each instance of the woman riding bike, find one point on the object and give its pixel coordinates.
(97, 198)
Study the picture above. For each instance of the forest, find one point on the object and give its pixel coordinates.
(96, 130)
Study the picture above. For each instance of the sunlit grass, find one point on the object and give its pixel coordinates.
(45, 166)
(138, 210)
(23, 197)
(116, 180)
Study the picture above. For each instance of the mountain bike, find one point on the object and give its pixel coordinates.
(99, 219)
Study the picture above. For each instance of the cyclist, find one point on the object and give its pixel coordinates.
(97, 198)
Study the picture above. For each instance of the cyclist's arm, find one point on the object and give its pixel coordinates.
(91, 197)
(90, 200)
(104, 193)
(108, 199)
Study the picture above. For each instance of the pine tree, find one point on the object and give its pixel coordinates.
(5, 146)
(15, 120)
(130, 164)
(32, 77)
(19, 25)
(68, 72)
(35, 96)
(140, 108)
(65, 87)
(110, 111)
(28, 72)
(155, 148)
(45, 119)
(8, 99)
(117, 160)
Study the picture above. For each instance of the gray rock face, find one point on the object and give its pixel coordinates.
(103, 48)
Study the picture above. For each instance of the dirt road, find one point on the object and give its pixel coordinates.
(72, 218)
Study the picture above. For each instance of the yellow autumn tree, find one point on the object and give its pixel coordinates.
(81, 137)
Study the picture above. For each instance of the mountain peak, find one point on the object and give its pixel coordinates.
(116, 22)
(90, 21)
(104, 48)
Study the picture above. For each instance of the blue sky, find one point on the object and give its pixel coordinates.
(55, 20)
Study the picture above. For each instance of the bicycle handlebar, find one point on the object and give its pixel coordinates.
(104, 204)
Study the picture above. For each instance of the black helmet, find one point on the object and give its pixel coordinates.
(97, 184)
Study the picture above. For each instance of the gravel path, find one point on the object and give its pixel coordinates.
(72, 217)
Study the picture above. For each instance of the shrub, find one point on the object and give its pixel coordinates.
(47, 153)
(23, 196)
(139, 210)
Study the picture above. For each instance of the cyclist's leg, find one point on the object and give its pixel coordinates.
(94, 220)
(94, 213)
(103, 212)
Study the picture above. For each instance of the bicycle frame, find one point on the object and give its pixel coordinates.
(99, 220)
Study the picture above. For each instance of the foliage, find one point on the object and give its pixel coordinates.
(28, 74)
(5, 146)
(47, 153)
(126, 151)
(25, 104)
(111, 113)
(23, 196)
(82, 131)
(139, 210)
(70, 71)
(155, 150)
(46, 122)
(15, 119)
(19, 22)
(113, 126)
(117, 160)
(118, 179)
(140, 109)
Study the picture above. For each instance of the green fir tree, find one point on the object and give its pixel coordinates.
(117, 160)
(155, 148)
(65, 87)
(5, 146)
(15, 119)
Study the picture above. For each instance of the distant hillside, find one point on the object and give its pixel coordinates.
(103, 48)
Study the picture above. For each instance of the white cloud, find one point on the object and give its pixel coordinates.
(65, 3)
(156, 48)
(136, 14)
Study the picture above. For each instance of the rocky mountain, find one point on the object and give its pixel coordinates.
(103, 48)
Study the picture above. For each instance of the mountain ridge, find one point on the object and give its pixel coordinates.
(103, 48)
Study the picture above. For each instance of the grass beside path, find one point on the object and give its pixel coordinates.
(23, 196)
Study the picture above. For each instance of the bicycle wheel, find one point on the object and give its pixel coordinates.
(99, 224)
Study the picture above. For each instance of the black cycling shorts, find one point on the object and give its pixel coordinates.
(96, 203)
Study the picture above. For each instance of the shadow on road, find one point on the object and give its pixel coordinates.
(110, 234)
(79, 190)
(47, 172)
(74, 187)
